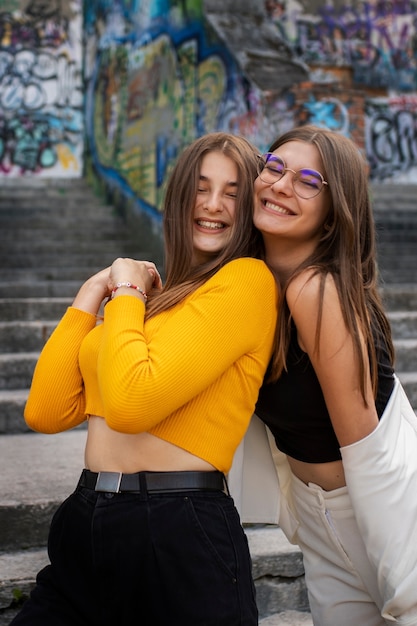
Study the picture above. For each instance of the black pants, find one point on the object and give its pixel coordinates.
(127, 559)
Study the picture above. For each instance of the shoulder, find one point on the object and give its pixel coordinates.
(246, 283)
(306, 290)
(246, 268)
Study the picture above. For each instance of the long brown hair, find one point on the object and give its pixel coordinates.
(182, 276)
(346, 250)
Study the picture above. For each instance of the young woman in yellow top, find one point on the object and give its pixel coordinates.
(168, 383)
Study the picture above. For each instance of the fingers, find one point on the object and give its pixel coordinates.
(157, 280)
(141, 273)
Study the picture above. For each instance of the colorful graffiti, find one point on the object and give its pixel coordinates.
(376, 39)
(153, 89)
(367, 46)
(328, 113)
(41, 90)
(391, 129)
(158, 76)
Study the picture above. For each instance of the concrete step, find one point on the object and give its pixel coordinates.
(33, 309)
(391, 257)
(386, 218)
(46, 274)
(53, 205)
(20, 207)
(403, 324)
(47, 221)
(40, 288)
(47, 246)
(285, 618)
(406, 355)
(16, 370)
(399, 297)
(43, 185)
(18, 570)
(39, 471)
(400, 237)
(47, 192)
(61, 260)
(110, 229)
(399, 276)
(25, 336)
(409, 382)
(393, 196)
(12, 404)
(278, 572)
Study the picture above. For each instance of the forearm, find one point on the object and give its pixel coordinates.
(92, 293)
(56, 399)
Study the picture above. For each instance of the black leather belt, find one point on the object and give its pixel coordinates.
(153, 482)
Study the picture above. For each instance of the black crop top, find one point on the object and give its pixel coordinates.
(294, 408)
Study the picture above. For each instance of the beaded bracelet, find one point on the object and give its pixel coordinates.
(128, 284)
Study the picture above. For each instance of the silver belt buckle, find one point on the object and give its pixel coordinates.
(108, 482)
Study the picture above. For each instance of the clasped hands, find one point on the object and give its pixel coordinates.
(141, 273)
(98, 287)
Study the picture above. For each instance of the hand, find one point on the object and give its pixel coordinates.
(93, 292)
(141, 273)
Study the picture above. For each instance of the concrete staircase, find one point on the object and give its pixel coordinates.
(395, 209)
(53, 236)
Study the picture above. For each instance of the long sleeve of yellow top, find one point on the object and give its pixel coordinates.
(189, 375)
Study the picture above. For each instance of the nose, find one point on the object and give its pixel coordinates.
(213, 203)
(285, 183)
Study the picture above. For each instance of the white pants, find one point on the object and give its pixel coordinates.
(341, 582)
(360, 542)
(381, 475)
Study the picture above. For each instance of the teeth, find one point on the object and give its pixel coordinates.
(277, 209)
(212, 225)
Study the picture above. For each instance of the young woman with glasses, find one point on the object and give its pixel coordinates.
(330, 381)
(168, 383)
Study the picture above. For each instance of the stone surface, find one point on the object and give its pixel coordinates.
(287, 618)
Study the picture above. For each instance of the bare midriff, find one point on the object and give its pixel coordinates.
(328, 476)
(111, 451)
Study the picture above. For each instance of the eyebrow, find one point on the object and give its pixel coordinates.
(231, 183)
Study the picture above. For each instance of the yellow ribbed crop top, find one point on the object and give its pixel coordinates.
(189, 375)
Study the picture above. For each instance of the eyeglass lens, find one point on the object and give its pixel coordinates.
(306, 182)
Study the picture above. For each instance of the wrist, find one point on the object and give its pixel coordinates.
(90, 296)
(126, 285)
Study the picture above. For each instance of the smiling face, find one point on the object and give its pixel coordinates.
(283, 217)
(215, 205)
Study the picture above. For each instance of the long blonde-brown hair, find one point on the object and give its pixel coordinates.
(182, 275)
(346, 250)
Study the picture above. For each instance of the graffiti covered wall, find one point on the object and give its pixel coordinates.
(157, 79)
(375, 38)
(392, 137)
(365, 46)
(41, 90)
